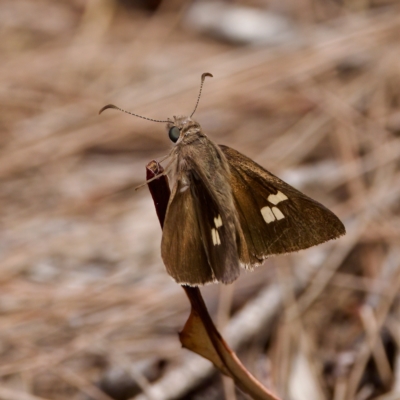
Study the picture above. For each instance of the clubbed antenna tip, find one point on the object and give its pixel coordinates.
(108, 106)
(203, 77)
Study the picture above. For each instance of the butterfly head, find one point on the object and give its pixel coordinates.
(182, 127)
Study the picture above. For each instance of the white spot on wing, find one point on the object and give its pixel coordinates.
(267, 214)
(276, 198)
(215, 237)
(185, 185)
(278, 213)
(218, 221)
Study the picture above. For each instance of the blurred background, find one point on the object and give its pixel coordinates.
(309, 89)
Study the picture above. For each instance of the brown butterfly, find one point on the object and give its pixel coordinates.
(226, 211)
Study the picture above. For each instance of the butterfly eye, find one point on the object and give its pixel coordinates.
(174, 133)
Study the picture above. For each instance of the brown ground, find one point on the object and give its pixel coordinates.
(86, 307)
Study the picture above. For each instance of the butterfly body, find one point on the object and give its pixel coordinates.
(225, 211)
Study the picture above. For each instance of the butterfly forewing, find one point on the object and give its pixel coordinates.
(218, 233)
(275, 218)
(209, 222)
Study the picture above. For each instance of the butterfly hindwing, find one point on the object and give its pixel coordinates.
(183, 254)
(275, 218)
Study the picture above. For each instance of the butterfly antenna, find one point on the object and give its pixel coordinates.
(203, 77)
(128, 112)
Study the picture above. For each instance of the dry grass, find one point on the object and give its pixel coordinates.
(86, 307)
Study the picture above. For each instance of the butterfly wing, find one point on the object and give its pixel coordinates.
(202, 248)
(182, 251)
(218, 230)
(274, 217)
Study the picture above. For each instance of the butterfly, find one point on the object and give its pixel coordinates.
(226, 211)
